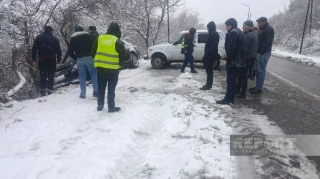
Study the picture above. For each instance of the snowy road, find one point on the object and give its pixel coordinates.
(167, 128)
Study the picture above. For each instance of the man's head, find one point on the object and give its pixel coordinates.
(192, 31)
(255, 30)
(92, 28)
(230, 24)
(48, 29)
(247, 26)
(78, 29)
(114, 29)
(262, 21)
(211, 26)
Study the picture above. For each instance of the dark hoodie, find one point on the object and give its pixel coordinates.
(211, 47)
(47, 46)
(80, 45)
(114, 30)
(189, 41)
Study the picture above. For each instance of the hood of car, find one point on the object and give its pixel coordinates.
(160, 46)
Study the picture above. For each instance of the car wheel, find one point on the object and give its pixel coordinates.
(134, 60)
(157, 62)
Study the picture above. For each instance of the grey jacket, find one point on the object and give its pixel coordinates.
(250, 45)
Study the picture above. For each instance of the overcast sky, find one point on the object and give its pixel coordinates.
(220, 10)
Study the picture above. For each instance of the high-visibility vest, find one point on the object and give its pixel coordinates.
(183, 41)
(106, 55)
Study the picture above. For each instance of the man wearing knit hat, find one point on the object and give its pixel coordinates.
(93, 33)
(210, 53)
(250, 53)
(265, 37)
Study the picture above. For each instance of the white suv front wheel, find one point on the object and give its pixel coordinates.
(157, 62)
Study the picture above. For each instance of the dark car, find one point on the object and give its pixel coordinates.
(69, 68)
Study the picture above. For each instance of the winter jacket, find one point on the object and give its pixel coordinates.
(80, 45)
(234, 45)
(265, 36)
(250, 45)
(211, 47)
(93, 36)
(122, 56)
(188, 43)
(47, 46)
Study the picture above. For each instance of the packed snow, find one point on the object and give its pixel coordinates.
(166, 128)
(297, 57)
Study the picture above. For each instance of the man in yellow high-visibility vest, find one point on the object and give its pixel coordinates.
(109, 55)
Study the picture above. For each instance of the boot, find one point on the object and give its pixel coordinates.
(224, 102)
(82, 96)
(205, 87)
(194, 71)
(100, 107)
(114, 109)
(95, 94)
(256, 91)
(241, 96)
(182, 71)
(251, 89)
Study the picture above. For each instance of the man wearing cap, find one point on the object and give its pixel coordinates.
(250, 53)
(80, 50)
(49, 54)
(265, 37)
(234, 45)
(93, 33)
(187, 48)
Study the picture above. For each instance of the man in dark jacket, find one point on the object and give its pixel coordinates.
(250, 53)
(187, 48)
(234, 45)
(48, 49)
(80, 50)
(109, 55)
(210, 53)
(265, 36)
(93, 33)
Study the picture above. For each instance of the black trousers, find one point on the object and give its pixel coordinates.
(250, 63)
(231, 83)
(209, 70)
(47, 67)
(188, 58)
(104, 80)
(242, 80)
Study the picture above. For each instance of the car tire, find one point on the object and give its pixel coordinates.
(134, 61)
(157, 62)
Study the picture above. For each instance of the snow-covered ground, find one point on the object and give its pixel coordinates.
(297, 57)
(166, 128)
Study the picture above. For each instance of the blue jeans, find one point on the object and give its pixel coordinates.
(104, 80)
(84, 64)
(260, 68)
(188, 58)
(231, 83)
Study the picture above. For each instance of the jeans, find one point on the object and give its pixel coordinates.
(242, 80)
(231, 83)
(188, 58)
(84, 64)
(103, 80)
(260, 68)
(47, 67)
(209, 70)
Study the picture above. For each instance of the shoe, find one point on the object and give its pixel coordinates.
(114, 109)
(252, 78)
(95, 94)
(182, 71)
(82, 96)
(251, 89)
(241, 96)
(204, 87)
(100, 107)
(256, 91)
(224, 102)
(194, 71)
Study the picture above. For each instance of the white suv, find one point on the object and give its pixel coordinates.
(163, 54)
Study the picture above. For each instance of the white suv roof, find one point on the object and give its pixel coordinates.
(200, 31)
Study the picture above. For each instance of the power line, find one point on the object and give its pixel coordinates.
(271, 7)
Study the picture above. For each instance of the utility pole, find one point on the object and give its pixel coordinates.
(311, 8)
(168, 21)
(248, 10)
(305, 25)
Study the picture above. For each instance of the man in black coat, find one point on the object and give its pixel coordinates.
(210, 53)
(93, 33)
(80, 50)
(49, 54)
(187, 48)
(265, 36)
(234, 45)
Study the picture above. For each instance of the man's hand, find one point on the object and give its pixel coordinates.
(185, 51)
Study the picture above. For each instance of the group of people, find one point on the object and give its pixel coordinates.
(100, 55)
(248, 51)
